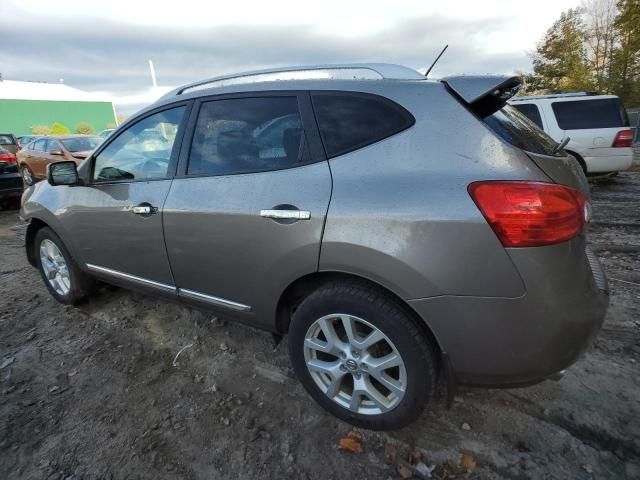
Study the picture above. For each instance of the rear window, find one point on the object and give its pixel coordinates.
(585, 114)
(7, 140)
(350, 121)
(531, 111)
(514, 128)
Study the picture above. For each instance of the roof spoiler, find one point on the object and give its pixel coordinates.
(485, 94)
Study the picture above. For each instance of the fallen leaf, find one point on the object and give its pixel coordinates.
(355, 435)
(405, 472)
(468, 462)
(351, 445)
(390, 453)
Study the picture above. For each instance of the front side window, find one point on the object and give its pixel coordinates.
(585, 114)
(142, 151)
(81, 144)
(531, 111)
(40, 145)
(244, 135)
(52, 145)
(350, 121)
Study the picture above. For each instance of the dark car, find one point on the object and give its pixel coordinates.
(9, 142)
(10, 181)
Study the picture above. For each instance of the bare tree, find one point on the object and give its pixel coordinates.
(600, 16)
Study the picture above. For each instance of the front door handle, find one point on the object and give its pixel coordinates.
(144, 209)
(282, 214)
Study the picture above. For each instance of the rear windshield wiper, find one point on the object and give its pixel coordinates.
(561, 145)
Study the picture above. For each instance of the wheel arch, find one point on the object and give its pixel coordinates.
(297, 290)
(579, 158)
(35, 224)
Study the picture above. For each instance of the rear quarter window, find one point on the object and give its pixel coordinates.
(514, 128)
(349, 121)
(586, 114)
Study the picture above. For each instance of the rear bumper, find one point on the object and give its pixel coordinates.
(10, 185)
(495, 341)
(608, 160)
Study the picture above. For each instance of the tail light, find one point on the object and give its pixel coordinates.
(531, 214)
(624, 138)
(8, 157)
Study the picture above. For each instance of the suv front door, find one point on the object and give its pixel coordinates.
(116, 222)
(245, 215)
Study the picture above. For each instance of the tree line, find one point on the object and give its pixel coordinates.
(594, 47)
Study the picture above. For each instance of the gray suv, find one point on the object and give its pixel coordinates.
(398, 229)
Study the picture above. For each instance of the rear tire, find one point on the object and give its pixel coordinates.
(347, 374)
(60, 273)
(27, 176)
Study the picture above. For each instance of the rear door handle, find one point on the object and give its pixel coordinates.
(281, 214)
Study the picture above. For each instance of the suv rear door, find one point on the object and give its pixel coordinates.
(244, 216)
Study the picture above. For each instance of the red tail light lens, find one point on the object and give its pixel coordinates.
(531, 214)
(8, 157)
(624, 138)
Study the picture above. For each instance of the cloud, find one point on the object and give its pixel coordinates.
(100, 55)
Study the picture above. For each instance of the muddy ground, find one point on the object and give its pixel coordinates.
(92, 392)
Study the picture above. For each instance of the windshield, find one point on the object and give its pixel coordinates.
(81, 144)
(515, 128)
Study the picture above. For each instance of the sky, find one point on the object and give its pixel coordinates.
(105, 46)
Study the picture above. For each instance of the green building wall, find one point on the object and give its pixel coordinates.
(18, 116)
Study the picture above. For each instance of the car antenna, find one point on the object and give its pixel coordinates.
(435, 61)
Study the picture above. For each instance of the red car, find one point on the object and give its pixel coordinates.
(10, 181)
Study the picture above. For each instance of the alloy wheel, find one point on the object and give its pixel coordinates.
(355, 364)
(55, 267)
(26, 176)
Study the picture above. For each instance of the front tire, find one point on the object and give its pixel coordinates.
(361, 355)
(60, 273)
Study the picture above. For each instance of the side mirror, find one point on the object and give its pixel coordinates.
(56, 151)
(63, 173)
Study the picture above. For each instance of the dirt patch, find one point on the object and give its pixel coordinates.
(97, 391)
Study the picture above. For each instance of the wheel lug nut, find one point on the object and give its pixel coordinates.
(343, 368)
(343, 355)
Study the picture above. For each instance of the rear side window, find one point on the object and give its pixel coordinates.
(350, 121)
(531, 111)
(40, 145)
(514, 128)
(585, 114)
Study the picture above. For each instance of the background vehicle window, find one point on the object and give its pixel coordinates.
(514, 128)
(142, 151)
(52, 145)
(348, 122)
(247, 135)
(583, 114)
(40, 145)
(531, 111)
(81, 144)
(6, 140)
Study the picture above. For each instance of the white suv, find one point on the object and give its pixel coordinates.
(597, 125)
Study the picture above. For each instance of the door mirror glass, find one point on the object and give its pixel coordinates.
(62, 173)
(142, 151)
(56, 151)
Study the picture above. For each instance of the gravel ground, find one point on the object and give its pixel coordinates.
(94, 392)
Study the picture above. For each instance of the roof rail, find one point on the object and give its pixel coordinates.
(354, 71)
(557, 95)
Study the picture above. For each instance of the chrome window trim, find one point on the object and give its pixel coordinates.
(133, 278)
(221, 302)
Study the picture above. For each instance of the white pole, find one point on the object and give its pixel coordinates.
(153, 74)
